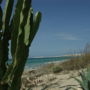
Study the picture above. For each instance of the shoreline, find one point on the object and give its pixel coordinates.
(26, 70)
(48, 63)
(39, 79)
(56, 75)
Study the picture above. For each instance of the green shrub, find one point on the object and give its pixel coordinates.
(57, 69)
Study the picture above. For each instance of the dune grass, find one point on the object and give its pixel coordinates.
(75, 63)
(78, 62)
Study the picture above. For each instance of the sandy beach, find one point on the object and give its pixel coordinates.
(38, 79)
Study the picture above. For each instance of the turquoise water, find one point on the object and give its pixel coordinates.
(36, 62)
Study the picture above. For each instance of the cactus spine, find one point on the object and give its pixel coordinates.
(20, 30)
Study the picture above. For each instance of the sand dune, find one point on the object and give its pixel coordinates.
(61, 81)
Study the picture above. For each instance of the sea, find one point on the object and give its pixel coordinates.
(38, 62)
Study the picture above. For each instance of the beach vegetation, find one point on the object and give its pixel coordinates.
(57, 69)
(85, 79)
(78, 62)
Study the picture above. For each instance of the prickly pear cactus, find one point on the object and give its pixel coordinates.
(20, 29)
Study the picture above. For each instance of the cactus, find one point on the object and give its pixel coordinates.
(20, 29)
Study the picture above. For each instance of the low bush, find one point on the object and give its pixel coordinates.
(57, 69)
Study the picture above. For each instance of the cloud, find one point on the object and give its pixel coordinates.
(66, 36)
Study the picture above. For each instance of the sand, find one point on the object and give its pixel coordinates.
(60, 81)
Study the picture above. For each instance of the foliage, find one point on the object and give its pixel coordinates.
(19, 26)
(57, 69)
(85, 82)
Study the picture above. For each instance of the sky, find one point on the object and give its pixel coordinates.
(64, 29)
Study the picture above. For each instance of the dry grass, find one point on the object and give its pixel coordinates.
(75, 63)
(79, 62)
